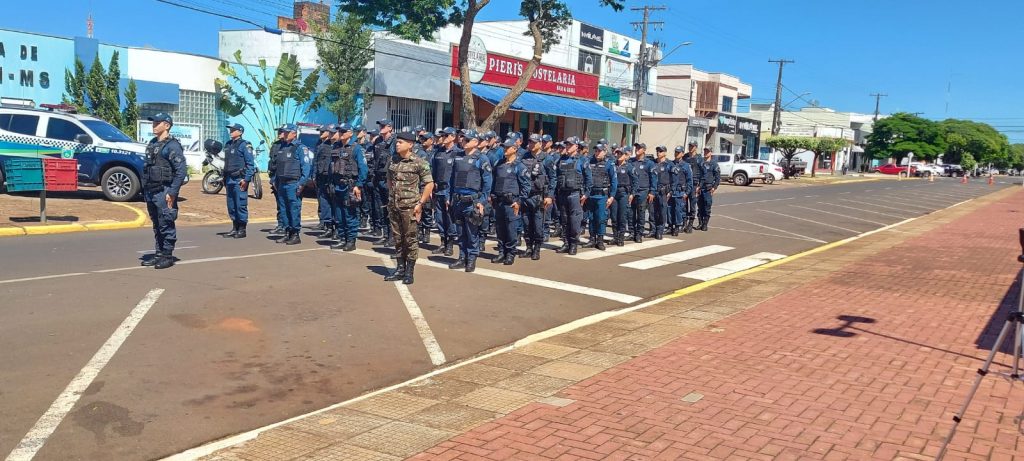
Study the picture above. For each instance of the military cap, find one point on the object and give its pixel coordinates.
(661, 149)
(470, 134)
(600, 146)
(680, 149)
(323, 128)
(639, 145)
(407, 136)
(343, 128)
(602, 141)
(546, 138)
(235, 126)
(559, 145)
(582, 144)
(707, 149)
(359, 128)
(572, 140)
(448, 131)
(373, 132)
(419, 128)
(693, 144)
(162, 117)
(627, 149)
(385, 122)
(488, 135)
(289, 128)
(535, 137)
(514, 135)
(510, 142)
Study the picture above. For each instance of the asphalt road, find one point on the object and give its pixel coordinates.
(247, 333)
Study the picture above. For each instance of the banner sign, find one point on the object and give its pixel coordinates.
(591, 37)
(726, 124)
(504, 71)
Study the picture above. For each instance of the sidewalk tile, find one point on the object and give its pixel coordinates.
(394, 405)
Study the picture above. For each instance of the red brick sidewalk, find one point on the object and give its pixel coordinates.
(869, 362)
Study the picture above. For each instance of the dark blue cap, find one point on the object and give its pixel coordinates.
(162, 117)
(323, 128)
(373, 132)
(448, 131)
(535, 137)
(680, 149)
(546, 138)
(385, 122)
(470, 134)
(289, 127)
(233, 127)
(407, 136)
(640, 145)
(359, 128)
(661, 149)
(572, 140)
(510, 142)
(343, 128)
(488, 136)
(600, 146)
(419, 128)
(559, 144)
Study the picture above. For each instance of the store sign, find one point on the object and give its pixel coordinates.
(698, 122)
(748, 127)
(591, 37)
(26, 74)
(621, 49)
(190, 135)
(589, 63)
(726, 124)
(476, 59)
(501, 70)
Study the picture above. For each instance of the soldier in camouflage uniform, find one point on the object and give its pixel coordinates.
(405, 204)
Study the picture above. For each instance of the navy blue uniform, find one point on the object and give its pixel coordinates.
(567, 189)
(511, 187)
(426, 223)
(695, 161)
(644, 169)
(549, 160)
(710, 178)
(291, 171)
(533, 211)
(624, 193)
(600, 182)
(680, 193)
(320, 169)
(383, 150)
(162, 176)
(441, 169)
(665, 183)
(238, 166)
(347, 170)
(271, 171)
(470, 183)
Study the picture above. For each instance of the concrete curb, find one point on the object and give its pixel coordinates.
(139, 221)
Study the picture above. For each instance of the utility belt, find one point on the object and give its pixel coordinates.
(622, 190)
(599, 191)
(467, 197)
(233, 174)
(156, 186)
(562, 190)
(506, 199)
(440, 186)
(663, 189)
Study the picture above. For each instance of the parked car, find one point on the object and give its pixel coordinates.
(771, 170)
(926, 169)
(952, 170)
(900, 170)
(106, 156)
(737, 171)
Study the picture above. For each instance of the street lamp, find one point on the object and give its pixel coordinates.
(645, 63)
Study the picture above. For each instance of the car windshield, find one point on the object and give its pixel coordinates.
(106, 131)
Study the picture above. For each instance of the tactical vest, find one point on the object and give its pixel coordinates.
(441, 167)
(643, 180)
(535, 171)
(622, 173)
(568, 177)
(664, 171)
(274, 149)
(599, 175)
(467, 175)
(322, 159)
(288, 166)
(344, 162)
(157, 170)
(234, 161)
(382, 157)
(506, 181)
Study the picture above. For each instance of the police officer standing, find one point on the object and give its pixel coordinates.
(239, 167)
(441, 168)
(271, 170)
(665, 183)
(511, 188)
(711, 177)
(425, 150)
(680, 193)
(535, 206)
(383, 150)
(405, 176)
(625, 194)
(346, 175)
(646, 180)
(162, 175)
(694, 159)
(471, 186)
(600, 182)
(321, 163)
(291, 172)
(567, 187)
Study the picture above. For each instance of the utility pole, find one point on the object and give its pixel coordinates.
(878, 100)
(777, 115)
(643, 61)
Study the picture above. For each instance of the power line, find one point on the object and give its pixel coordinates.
(776, 120)
(644, 61)
(878, 99)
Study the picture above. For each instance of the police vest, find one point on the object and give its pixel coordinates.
(599, 175)
(643, 180)
(274, 149)
(157, 169)
(535, 171)
(288, 167)
(467, 175)
(382, 157)
(664, 172)
(506, 181)
(322, 160)
(234, 161)
(344, 162)
(625, 180)
(568, 177)
(442, 167)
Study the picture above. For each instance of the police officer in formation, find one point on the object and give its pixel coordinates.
(568, 187)
(537, 201)
(382, 149)
(694, 159)
(664, 183)
(600, 183)
(162, 175)
(410, 186)
(271, 171)
(470, 183)
(239, 167)
(291, 172)
(680, 193)
(424, 149)
(321, 162)
(346, 177)
(646, 181)
(511, 188)
(625, 195)
(710, 178)
(441, 168)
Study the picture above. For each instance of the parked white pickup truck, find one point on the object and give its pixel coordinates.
(739, 172)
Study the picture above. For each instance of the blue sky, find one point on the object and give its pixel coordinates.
(939, 57)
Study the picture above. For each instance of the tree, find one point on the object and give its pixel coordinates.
(790, 146)
(1017, 156)
(968, 163)
(74, 86)
(264, 102)
(420, 19)
(344, 50)
(902, 133)
(130, 115)
(112, 99)
(979, 139)
(96, 86)
(822, 146)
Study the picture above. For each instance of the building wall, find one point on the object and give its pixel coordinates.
(257, 44)
(189, 72)
(681, 82)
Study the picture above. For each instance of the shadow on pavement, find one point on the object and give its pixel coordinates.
(1008, 304)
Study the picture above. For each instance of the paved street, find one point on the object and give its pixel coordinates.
(248, 333)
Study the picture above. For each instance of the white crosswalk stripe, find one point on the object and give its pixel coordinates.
(617, 250)
(664, 260)
(729, 267)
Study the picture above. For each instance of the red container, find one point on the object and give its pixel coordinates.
(60, 174)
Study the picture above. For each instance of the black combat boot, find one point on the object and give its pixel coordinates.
(704, 223)
(150, 262)
(398, 273)
(564, 248)
(279, 230)
(294, 239)
(362, 222)
(510, 259)
(164, 261)
(340, 245)
(572, 249)
(458, 264)
(659, 233)
(440, 247)
(499, 258)
(688, 228)
(410, 270)
(590, 243)
(234, 231)
(674, 231)
(350, 245)
(471, 264)
(240, 233)
(600, 243)
(638, 237)
(448, 250)
(425, 240)
(535, 252)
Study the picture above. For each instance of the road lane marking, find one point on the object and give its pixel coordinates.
(841, 215)
(422, 327)
(628, 248)
(810, 239)
(729, 267)
(44, 427)
(757, 233)
(811, 221)
(890, 201)
(672, 258)
(885, 206)
(43, 277)
(175, 248)
(257, 255)
(863, 210)
(756, 201)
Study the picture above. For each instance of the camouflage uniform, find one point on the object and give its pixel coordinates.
(404, 179)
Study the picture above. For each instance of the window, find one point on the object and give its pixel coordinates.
(104, 130)
(726, 104)
(724, 146)
(21, 124)
(63, 130)
(430, 116)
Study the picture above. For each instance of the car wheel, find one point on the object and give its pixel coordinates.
(769, 178)
(740, 179)
(120, 184)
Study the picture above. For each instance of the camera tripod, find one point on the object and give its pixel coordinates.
(1015, 324)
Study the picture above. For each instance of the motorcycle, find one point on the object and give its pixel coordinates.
(213, 180)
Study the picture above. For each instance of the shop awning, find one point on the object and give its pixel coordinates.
(546, 104)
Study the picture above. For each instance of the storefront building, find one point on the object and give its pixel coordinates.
(819, 122)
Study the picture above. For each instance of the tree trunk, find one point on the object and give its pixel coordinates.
(814, 166)
(468, 109)
(520, 86)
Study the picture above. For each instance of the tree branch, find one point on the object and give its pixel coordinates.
(524, 79)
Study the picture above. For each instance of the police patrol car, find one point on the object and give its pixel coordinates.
(106, 156)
